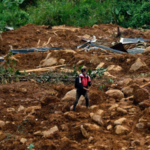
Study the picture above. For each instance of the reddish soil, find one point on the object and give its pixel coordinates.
(44, 108)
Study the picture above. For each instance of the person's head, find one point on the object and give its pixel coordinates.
(83, 70)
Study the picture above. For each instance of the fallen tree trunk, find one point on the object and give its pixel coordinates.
(42, 69)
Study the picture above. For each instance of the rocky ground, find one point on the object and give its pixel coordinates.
(41, 113)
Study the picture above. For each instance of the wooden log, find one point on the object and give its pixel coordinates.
(42, 69)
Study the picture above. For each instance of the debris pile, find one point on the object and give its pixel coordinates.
(38, 115)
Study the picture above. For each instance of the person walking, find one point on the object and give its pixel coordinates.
(81, 84)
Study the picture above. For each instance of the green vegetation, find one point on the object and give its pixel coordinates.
(130, 13)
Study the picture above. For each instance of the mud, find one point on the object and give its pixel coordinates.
(28, 110)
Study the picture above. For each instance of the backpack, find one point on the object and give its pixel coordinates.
(77, 81)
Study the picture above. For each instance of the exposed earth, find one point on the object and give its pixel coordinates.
(41, 113)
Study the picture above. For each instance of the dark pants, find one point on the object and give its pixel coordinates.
(78, 95)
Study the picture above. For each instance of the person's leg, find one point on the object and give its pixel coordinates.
(87, 99)
(76, 101)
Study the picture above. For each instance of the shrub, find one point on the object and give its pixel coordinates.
(11, 14)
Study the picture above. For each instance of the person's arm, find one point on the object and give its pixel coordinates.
(80, 83)
(89, 81)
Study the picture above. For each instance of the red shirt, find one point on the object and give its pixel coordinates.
(85, 80)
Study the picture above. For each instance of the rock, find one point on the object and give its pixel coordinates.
(38, 133)
(109, 75)
(109, 127)
(48, 99)
(140, 95)
(99, 112)
(23, 90)
(80, 62)
(100, 65)
(31, 110)
(92, 126)
(48, 133)
(113, 107)
(10, 109)
(148, 147)
(96, 118)
(70, 116)
(140, 125)
(64, 127)
(33, 81)
(137, 142)
(2, 123)
(114, 68)
(128, 91)
(144, 104)
(137, 65)
(93, 107)
(147, 50)
(127, 81)
(84, 132)
(21, 108)
(62, 61)
(90, 139)
(119, 129)
(121, 110)
(119, 121)
(128, 60)
(117, 94)
(71, 95)
(23, 140)
(2, 136)
(48, 62)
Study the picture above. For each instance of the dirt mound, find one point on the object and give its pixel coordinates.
(30, 36)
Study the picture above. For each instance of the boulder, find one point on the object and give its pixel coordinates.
(50, 132)
(90, 139)
(119, 121)
(140, 125)
(21, 108)
(121, 110)
(48, 62)
(71, 95)
(80, 62)
(99, 112)
(114, 68)
(23, 90)
(62, 61)
(140, 95)
(2, 136)
(119, 129)
(100, 65)
(109, 75)
(113, 107)
(23, 140)
(31, 110)
(117, 94)
(10, 109)
(93, 107)
(48, 99)
(128, 91)
(84, 132)
(2, 123)
(38, 133)
(97, 118)
(109, 127)
(147, 50)
(127, 81)
(92, 126)
(137, 65)
(70, 116)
